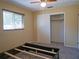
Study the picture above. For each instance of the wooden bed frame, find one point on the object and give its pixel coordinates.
(31, 49)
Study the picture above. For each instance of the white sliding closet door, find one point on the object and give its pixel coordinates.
(43, 29)
(58, 31)
(78, 31)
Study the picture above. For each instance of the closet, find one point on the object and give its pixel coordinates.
(57, 28)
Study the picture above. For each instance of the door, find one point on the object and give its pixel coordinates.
(43, 29)
(78, 31)
(58, 31)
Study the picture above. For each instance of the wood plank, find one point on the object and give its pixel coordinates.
(33, 54)
(12, 55)
(40, 49)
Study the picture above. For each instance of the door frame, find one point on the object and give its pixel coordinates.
(77, 31)
(50, 24)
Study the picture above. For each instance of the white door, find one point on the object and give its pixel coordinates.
(43, 28)
(58, 31)
(78, 31)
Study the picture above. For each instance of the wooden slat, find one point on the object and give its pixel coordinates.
(40, 49)
(33, 54)
(12, 55)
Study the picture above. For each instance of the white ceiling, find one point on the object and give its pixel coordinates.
(35, 7)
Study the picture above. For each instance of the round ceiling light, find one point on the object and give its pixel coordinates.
(43, 4)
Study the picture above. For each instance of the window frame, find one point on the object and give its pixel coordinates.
(15, 13)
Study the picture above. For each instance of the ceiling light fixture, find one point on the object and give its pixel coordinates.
(43, 4)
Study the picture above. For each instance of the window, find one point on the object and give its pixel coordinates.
(12, 20)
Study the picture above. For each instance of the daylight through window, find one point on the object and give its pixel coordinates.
(12, 20)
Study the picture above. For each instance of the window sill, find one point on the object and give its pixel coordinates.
(13, 30)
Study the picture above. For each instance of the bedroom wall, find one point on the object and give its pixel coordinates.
(70, 24)
(11, 39)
